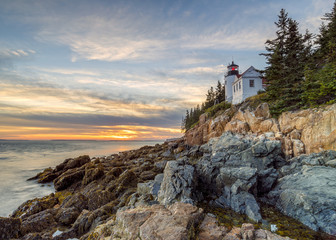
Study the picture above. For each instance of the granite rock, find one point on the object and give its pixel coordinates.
(178, 183)
(307, 191)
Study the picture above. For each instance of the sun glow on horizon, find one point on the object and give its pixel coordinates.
(118, 132)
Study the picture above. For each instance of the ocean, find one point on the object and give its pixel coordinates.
(20, 160)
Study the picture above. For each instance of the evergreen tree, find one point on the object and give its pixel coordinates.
(298, 49)
(275, 57)
(197, 113)
(183, 124)
(320, 74)
(330, 35)
(186, 121)
(191, 118)
(287, 55)
(203, 107)
(210, 98)
(220, 92)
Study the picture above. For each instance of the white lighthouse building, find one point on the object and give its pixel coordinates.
(238, 87)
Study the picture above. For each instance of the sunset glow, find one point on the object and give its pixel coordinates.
(119, 132)
(124, 70)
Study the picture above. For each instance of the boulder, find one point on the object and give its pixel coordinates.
(98, 198)
(68, 178)
(92, 173)
(82, 223)
(67, 216)
(77, 162)
(34, 206)
(209, 229)
(77, 200)
(151, 187)
(238, 170)
(47, 175)
(158, 222)
(178, 183)
(307, 191)
(243, 202)
(39, 221)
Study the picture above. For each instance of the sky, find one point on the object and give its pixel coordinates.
(126, 69)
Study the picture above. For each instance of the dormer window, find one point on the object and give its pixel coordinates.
(251, 83)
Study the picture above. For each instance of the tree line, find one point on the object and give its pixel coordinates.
(213, 97)
(301, 69)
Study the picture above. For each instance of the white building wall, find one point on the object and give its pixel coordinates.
(228, 87)
(238, 93)
(251, 91)
(246, 91)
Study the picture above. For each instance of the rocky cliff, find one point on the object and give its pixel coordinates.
(303, 131)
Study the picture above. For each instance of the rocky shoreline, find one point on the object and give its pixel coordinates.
(153, 193)
(181, 190)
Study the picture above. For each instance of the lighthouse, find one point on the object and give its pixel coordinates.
(232, 72)
(238, 87)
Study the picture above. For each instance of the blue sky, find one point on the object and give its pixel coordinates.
(125, 69)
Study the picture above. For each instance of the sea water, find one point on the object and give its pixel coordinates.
(20, 160)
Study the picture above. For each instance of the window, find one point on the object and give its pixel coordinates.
(251, 83)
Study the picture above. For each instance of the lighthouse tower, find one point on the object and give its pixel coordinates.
(232, 73)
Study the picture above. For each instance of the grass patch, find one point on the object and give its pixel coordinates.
(218, 107)
(287, 226)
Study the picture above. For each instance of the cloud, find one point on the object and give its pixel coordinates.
(201, 70)
(129, 32)
(58, 100)
(105, 38)
(313, 18)
(244, 39)
(106, 46)
(67, 71)
(9, 56)
(33, 98)
(13, 53)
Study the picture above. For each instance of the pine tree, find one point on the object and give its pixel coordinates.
(275, 57)
(186, 121)
(203, 107)
(286, 58)
(297, 49)
(331, 34)
(191, 118)
(320, 74)
(210, 98)
(183, 124)
(220, 92)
